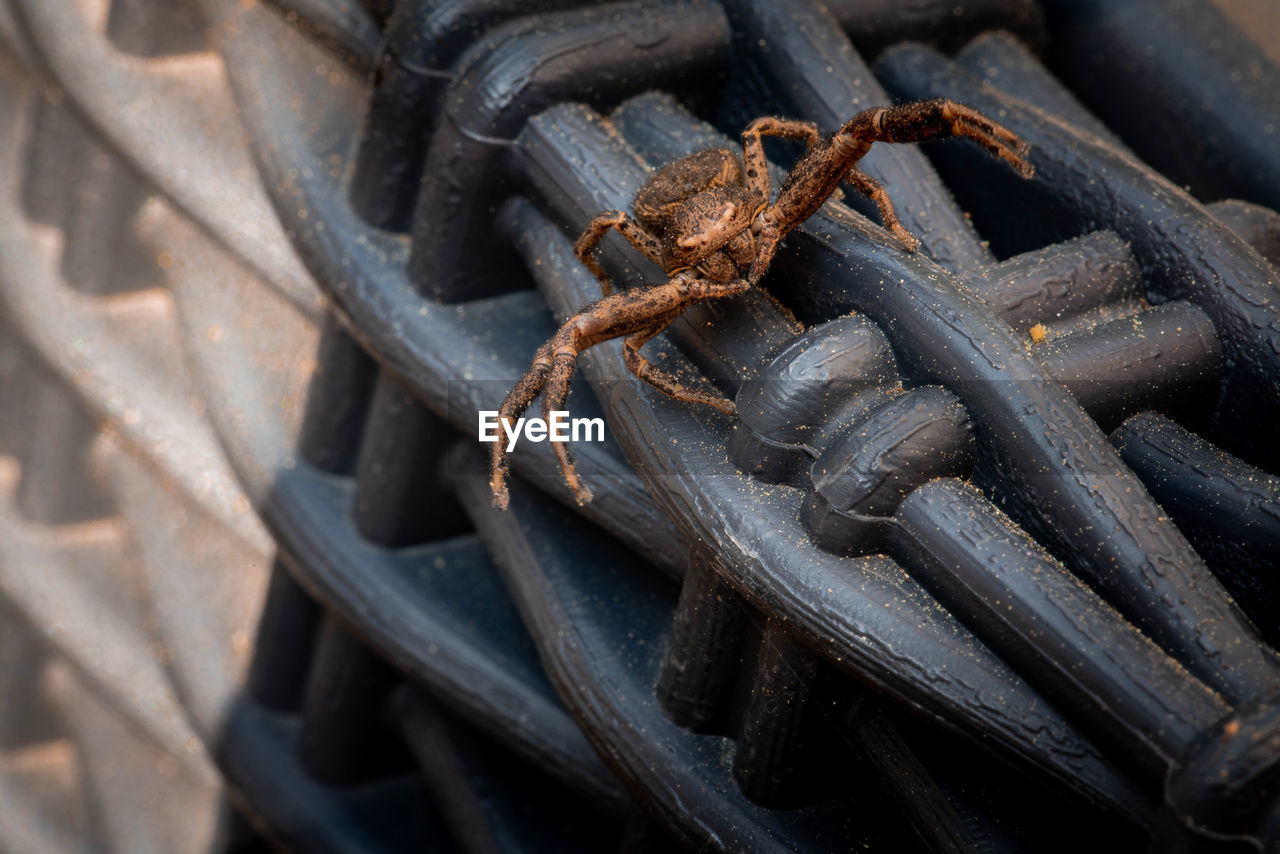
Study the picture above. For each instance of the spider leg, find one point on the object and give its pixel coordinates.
(757, 178)
(831, 161)
(694, 291)
(559, 383)
(874, 190)
(615, 316)
(513, 406)
(633, 231)
(767, 242)
(660, 379)
(925, 120)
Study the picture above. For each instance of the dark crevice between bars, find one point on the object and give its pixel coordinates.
(345, 737)
(403, 496)
(504, 802)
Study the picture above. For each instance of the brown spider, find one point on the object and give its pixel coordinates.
(713, 231)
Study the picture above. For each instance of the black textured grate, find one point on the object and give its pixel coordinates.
(986, 563)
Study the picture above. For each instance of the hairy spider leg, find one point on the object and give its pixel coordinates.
(660, 379)
(757, 175)
(757, 178)
(633, 231)
(513, 406)
(874, 190)
(832, 161)
(925, 120)
(559, 384)
(615, 316)
(917, 122)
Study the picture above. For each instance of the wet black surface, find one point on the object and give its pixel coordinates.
(917, 519)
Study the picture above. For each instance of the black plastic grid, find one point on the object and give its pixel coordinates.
(805, 636)
(954, 379)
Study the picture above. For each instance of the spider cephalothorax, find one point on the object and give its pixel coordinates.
(706, 219)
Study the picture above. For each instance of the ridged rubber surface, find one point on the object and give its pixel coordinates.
(942, 586)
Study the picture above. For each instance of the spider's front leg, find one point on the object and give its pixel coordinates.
(513, 406)
(692, 290)
(917, 122)
(921, 121)
(834, 160)
(757, 177)
(640, 312)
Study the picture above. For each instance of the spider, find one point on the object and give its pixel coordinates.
(707, 221)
